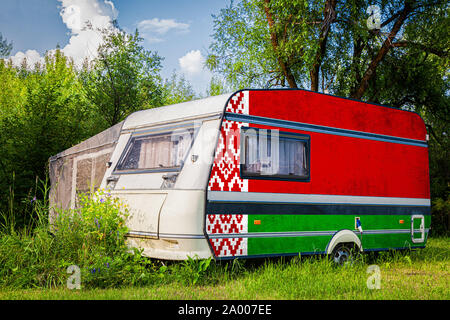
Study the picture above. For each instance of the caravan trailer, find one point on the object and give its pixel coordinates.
(260, 173)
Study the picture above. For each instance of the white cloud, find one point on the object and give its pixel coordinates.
(153, 29)
(192, 62)
(75, 14)
(31, 56)
(192, 67)
(162, 26)
(83, 43)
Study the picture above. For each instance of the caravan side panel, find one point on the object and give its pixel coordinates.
(364, 161)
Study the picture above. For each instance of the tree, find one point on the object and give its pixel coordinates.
(270, 43)
(319, 44)
(124, 77)
(5, 47)
(177, 89)
(217, 87)
(44, 113)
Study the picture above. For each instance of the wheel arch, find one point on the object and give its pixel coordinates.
(341, 237)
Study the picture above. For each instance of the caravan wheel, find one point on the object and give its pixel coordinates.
(343, 254)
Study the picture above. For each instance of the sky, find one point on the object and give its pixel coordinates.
(178, 30)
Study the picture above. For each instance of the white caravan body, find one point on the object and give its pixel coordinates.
(166, 200)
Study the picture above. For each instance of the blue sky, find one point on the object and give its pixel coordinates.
(175, 29)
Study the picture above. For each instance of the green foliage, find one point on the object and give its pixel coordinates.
(13, 91)
(42, 111)
(48, 108)
(124, 77)
(258, 43)
(91, 237)
(177, 89)
(217, 87)
(240, 51)
(244, 51)
(99, 221)
(194, 269)
(440, 218)
(5, 47)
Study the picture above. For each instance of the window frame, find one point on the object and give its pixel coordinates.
(304, 138)
(140, 136)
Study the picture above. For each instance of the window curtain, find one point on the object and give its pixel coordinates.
(164, 151)
(291, 157)
(252, 162)
(274, 156)
(181, 146)
(155, 153)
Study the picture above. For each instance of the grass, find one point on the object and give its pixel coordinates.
(33, 265)
(406, 275)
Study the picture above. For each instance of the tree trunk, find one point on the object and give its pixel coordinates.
(329, 15)
(387, 44)
(274, 39)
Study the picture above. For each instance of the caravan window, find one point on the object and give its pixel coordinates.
(157, 152)
(272, 154)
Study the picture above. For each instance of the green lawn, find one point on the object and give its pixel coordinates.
(420, 274)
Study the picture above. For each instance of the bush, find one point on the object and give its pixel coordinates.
(440, 212)
(91, 237)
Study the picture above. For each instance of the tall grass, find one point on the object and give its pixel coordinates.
(92, 237)
(421, 274)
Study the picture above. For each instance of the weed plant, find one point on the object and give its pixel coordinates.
(92, 237)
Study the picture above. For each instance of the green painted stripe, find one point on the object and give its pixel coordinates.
(374, 241)
(293, 223)
(284, 244)
(318, 244)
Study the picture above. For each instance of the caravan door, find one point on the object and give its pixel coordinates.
(143, 209)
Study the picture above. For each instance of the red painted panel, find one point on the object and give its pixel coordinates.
(340, 165)
(352, 166)
(320, 109)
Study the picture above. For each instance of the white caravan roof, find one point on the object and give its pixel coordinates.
(180, 111)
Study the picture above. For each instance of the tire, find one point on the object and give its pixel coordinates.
(343, 254)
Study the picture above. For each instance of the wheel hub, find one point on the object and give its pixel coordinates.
(341, 256)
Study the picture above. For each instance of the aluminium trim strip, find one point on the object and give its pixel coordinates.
(165, 235)
(142, 234)
(323, 129)
(271, 234)
(265, 234)
(304, 233)
(181, 236)
(203, 117)
(266, 197)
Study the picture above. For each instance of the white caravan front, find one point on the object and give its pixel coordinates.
(160, 167)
